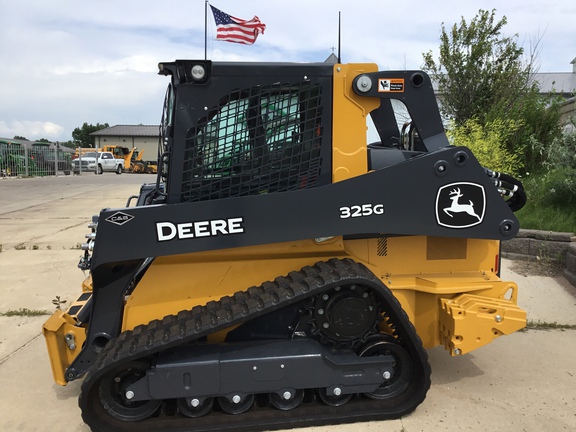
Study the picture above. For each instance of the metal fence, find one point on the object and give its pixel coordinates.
(21, 161)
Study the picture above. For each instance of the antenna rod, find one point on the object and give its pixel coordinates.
(339, 58)
(205, 30)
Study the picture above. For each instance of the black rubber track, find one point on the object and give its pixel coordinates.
(186, 326)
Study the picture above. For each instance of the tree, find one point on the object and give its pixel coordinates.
(18, 137)
(43, 140)
(69, 144)
(477, 68)
(484, 76)
(81, 136)
(540, 127)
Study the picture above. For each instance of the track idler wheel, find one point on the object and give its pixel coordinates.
(191, 407)
(237, 405)
(116, 400)
(287, 400)
(400, 379)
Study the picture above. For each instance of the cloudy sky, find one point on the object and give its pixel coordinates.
(66, 62)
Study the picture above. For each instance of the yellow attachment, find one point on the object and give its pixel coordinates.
(349, 156)
(470, 321)
(64, 341)
(87, 284)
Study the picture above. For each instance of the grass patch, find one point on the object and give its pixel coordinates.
(546, 218)
(539, 325)
(551, 201)
(25, 312)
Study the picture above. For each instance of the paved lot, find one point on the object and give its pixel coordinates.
(523, 382)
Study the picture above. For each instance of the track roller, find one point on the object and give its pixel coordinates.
(237, 404)
(287, 400)
(334, 398)
(192, 407)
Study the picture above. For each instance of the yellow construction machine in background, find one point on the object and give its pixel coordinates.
(132, 159)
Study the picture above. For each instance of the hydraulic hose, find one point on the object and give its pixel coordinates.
(509, 187)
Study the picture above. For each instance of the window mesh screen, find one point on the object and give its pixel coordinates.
(259, 140)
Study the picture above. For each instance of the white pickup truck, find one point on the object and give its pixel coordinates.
(105, 162)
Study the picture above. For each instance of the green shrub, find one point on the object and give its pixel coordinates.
(562, 152)
(561, 184)
(558, 185)
(487, 143)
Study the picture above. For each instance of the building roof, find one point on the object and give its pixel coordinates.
(331, 59)
(556, 82)
(560, 83)
(129, 130)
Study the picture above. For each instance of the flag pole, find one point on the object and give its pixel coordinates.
(206, 30)
(339, 59)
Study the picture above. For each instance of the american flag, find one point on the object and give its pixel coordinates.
(231, 29)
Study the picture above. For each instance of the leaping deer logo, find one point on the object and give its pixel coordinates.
(456, 207)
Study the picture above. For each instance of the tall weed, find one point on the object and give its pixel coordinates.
(551, 201)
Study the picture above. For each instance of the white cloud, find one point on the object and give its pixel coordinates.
(133, 63)
(32, 130)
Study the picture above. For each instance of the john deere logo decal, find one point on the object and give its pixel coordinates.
(460, 205)
(119, 218)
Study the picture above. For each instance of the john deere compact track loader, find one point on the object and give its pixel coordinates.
(283, 272)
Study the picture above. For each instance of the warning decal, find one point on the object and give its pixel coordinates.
(391, 85)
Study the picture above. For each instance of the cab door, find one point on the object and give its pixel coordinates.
(108, 162)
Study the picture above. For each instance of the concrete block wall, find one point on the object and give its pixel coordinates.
(534, 244)
(570, 269)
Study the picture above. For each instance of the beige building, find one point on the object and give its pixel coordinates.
(142, 137)
(561, 84)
